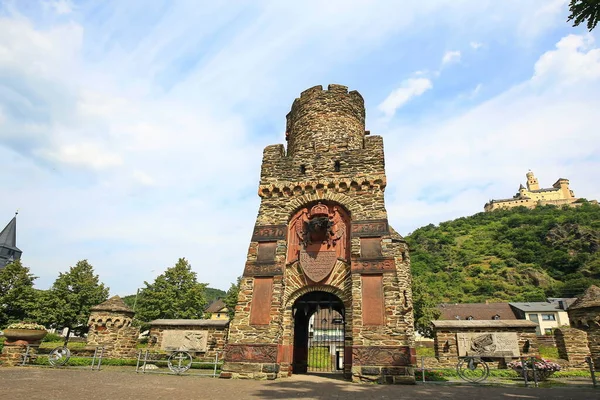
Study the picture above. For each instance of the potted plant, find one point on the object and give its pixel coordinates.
(27, 331)
(542, 368)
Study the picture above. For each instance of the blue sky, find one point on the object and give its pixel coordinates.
(131, 132)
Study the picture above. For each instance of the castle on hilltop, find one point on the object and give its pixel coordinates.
(559, 194)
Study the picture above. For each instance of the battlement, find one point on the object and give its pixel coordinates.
(325, 120)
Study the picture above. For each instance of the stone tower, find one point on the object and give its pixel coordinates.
(322, 242)
(9, 251)
(532, 181)
(110, 327)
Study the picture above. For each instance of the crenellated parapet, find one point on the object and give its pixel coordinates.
(325, 121)
(110, 327)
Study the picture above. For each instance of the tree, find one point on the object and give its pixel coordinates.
(70, 298)
(174, 294)
(231, 298)
(425, 308)
(584, 10)
(17, 295)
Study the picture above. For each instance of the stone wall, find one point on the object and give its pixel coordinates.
(445, 336)
(216, 334)
(572, 345)
(588, 320)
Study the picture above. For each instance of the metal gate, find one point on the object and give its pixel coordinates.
(326, 341)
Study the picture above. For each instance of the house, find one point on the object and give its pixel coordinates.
(548, 315)
(218, 310)
(476, 311)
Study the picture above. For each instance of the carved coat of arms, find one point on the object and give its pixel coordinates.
(317, 238)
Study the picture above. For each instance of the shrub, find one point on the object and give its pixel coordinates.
(53, 337)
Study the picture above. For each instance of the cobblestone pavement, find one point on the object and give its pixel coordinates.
(41, 383)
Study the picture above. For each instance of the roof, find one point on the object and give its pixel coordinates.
(538, 306)
(479, 311)
(114, 304)
(591, 298)
(216, 306)
(8, 236)
(545, 190)
(517, 323)
(190, 322)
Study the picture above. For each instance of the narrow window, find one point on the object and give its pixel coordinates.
(303, 169)
(337, 166)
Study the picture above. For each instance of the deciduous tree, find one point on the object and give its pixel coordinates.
(231, 298)
(174, 294)
(17, 295)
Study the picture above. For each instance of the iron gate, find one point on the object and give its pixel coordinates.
(326, 341)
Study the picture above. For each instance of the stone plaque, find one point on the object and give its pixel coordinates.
(375, 266)
(317, 265)
(381, 355)
(370, 228)
(253, 269)
(175, 340)
(269, 233)
(488, 344)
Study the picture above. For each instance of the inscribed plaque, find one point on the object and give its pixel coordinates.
(488, 344)
(175, 340)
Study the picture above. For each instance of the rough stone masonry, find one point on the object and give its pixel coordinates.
(322, 230)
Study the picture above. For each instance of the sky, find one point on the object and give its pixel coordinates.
(131, 132)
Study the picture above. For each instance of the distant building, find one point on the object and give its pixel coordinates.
(559, 194)
(218, 310)
(9, 251)
(476, 311)
(547, 315)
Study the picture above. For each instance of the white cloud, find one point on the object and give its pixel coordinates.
(408, 89)
(484, 152)
(60, 7)
(451, 57)
(475, 45)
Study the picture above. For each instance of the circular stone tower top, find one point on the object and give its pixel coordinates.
(325, 120)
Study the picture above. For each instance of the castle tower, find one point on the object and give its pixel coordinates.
(322, 242)
(532, 182)
(563, 185)
(110, 327)
(9, 251)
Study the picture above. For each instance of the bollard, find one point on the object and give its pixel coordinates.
(423, 368)
(590, 363)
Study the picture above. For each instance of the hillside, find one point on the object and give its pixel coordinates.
(505, 255)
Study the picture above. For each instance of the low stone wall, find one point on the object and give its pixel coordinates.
(173, 334)
(446, 338)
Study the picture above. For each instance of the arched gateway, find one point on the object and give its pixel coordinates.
(326, 286)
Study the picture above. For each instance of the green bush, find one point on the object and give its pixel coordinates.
(53, 337)
(2, 339)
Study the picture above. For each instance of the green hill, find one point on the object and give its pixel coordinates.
(505, 255)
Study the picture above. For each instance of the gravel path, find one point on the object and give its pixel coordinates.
(49, 384)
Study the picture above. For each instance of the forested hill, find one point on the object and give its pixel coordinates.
(506, 255)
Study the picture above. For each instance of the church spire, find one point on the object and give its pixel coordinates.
(8, 243)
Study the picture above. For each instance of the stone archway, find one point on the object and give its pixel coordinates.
(319, 332)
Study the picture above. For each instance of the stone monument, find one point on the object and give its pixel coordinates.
(322, 241)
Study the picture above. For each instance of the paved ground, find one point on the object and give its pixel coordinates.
(42, 383)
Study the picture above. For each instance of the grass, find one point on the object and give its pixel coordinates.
(70, 345)
(319, 357)
(423, 351)
(549, 352)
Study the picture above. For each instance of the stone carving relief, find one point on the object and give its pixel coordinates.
(251, 353)
(488, 344)
(381, 355)
(317, 237)
(175, 340)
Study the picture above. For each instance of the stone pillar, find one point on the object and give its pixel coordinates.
(584, 314)
(110, 327)
(13, 352)
(572, 345)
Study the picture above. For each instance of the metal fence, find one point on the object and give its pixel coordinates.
(60, 357)
(526, 370)
(175, 363)
(178, 363)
